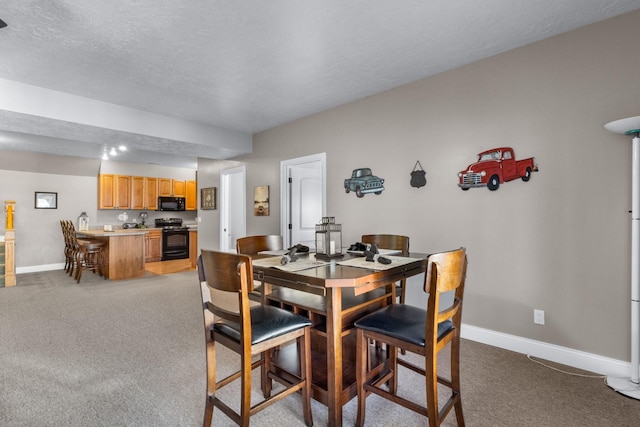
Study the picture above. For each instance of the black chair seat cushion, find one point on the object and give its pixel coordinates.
(266, 322)
(401, 321)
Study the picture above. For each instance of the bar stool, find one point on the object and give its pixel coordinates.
(81, 254)
(421, 331)
(249, 332)
(89, 256)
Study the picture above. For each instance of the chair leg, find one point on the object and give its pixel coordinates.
(79, 262)
(211, 382)
(431, 379)
(362, 350)
(245, 393)
(265, 379)
(455, 379)
(305, 360)
(393, 366)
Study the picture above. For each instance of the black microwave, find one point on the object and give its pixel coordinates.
(171, 203)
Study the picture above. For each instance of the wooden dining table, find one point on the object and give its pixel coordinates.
(333, 293)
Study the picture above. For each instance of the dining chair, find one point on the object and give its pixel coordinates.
(68, 245)
(250, 331)
(82, 254)
(252, 245)
(420, 331)
(395, 242)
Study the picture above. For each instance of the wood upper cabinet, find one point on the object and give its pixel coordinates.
(165, 187)
(172, 187)
(179, 188)
(114, 191)
(137, 192)
(152, 194)
(191, 203)
(144, 193)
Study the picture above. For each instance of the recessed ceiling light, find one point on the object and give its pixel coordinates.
(104, 156)
(113, 152)
(122, 148)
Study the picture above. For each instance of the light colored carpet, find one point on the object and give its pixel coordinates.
(131, 353)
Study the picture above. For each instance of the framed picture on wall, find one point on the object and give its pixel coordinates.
(261, 201)
(208, 198)
(46, 200)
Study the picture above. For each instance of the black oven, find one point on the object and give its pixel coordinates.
(175, 238)
(175, 243)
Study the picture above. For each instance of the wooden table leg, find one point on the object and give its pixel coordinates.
(334, 356)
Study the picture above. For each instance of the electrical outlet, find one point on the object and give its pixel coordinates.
(538, 317)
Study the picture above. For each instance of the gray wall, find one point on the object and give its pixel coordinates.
(560, 242)
(38, 234)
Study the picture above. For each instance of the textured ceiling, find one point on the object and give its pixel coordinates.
(239, 66)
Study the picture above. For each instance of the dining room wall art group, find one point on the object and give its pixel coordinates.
(492, 168)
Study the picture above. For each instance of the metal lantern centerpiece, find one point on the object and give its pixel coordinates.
(83, 222)
(328, 238)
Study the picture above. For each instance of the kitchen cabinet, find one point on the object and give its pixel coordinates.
(152, 194)
(114, 191)
(191, 203)
(171, 187)
(123, 254)
(165, 187)
(153, 245)
(179, 188)
(144, 193)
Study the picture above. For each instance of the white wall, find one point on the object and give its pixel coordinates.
(39, 240)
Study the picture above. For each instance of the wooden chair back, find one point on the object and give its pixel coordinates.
(388, 241)
(231, 273)
(446, 272)
(395, 242)
(251, 245)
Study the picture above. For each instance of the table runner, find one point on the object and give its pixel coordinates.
(302, 263)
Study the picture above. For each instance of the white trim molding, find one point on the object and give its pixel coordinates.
(554, 353)
(37, 268)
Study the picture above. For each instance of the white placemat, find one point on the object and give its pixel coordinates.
(361, 262)
(302, 263)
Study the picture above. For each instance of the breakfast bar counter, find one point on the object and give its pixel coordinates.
(124, 251)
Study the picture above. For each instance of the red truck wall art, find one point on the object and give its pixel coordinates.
(494, 167)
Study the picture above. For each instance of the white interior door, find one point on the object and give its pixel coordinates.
(233, 212)
(303, 198)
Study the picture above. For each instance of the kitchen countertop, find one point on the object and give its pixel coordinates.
(114, 233)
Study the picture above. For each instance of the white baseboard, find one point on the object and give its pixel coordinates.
(37, 268)
(566, 356)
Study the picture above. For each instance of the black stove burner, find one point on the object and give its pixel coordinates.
(169, 223)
